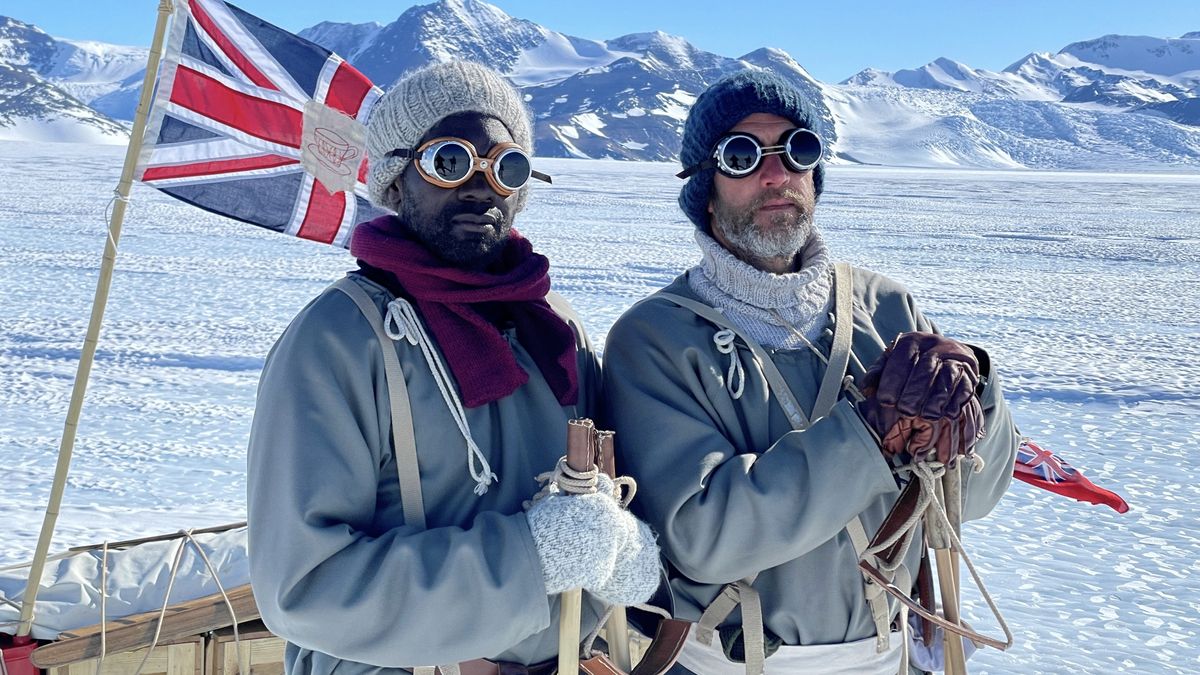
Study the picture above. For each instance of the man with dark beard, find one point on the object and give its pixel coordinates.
(404, 414)
(767, 452)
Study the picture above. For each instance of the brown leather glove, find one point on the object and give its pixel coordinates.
(920, 396)
(942, 440)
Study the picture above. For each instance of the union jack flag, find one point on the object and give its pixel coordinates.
(256, 124)
(1044, 469)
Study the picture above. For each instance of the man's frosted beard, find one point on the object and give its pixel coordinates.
(787, 233)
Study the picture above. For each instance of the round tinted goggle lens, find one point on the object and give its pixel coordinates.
(739, 155)
(512, 169)
(451, 161)
(803, 149)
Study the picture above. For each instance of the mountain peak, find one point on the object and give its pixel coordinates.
(772, 53)
(1194, 35)
(652, 39)
(1139, 53)
(7, 22)
(470, 12)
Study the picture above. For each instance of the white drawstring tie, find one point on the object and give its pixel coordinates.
(401, 323)
(724, 341)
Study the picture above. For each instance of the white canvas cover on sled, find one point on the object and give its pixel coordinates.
(137, 579)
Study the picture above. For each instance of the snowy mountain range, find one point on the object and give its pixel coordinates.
(1116, 102)
(62, 90)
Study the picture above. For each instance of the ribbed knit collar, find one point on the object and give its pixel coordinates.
(752, 296)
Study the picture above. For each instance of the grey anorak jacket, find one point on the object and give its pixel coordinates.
(734, 491)
(336, 571)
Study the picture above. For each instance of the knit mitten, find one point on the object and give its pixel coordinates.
(637, 570)
(577, 537)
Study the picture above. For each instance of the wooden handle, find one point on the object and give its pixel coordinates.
(581, 456)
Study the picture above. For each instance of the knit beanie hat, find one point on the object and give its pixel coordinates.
(717, 110)
(425, 97)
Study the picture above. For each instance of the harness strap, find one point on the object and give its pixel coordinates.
(403, 437)
(731, 595)
(875, 594)
(843, 331)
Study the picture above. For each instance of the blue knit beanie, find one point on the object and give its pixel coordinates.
(716, 111)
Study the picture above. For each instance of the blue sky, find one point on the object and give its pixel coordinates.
(832, 39)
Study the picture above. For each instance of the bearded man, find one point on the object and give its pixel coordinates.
(404, 414)
(765, 449)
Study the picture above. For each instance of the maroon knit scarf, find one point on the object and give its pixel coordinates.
(448, 298)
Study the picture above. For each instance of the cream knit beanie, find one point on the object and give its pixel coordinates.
(422, 99)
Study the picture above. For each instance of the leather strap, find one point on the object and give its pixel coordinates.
(891, 589)
(403, 437)
(664, 648)
(925, 594)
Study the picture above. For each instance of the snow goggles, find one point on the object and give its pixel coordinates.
(449, 162)
(738, 154)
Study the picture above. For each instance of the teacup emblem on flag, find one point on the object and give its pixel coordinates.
(332, 147)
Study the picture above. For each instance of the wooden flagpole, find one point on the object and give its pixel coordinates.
(87, 356)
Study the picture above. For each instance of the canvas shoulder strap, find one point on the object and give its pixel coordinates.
(403, 438)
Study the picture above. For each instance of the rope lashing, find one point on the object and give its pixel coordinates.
(401, 323)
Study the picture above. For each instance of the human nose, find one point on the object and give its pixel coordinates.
(478, 189)
(773, 173)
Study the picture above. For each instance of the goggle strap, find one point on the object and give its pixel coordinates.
(403, 153)
(696, 168)
(540, 176)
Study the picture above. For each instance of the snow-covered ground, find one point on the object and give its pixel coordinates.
(1085, 287)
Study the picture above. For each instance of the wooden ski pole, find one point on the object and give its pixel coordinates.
(939, 541)
(87, 356)
(952, 488)
(581, 456)
(617, 628)
(952, 494)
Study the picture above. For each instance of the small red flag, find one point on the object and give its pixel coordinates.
(1044, 469)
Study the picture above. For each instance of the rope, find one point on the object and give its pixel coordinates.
(956, 543)
(237, 640)
(163, 611)
(585, 648)
(928, 473)
(401, 323)
(626, 488)
(108, 215)
(103, 606)
(187, 536)
(724, 341)
(563, 479)
(575, 482)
